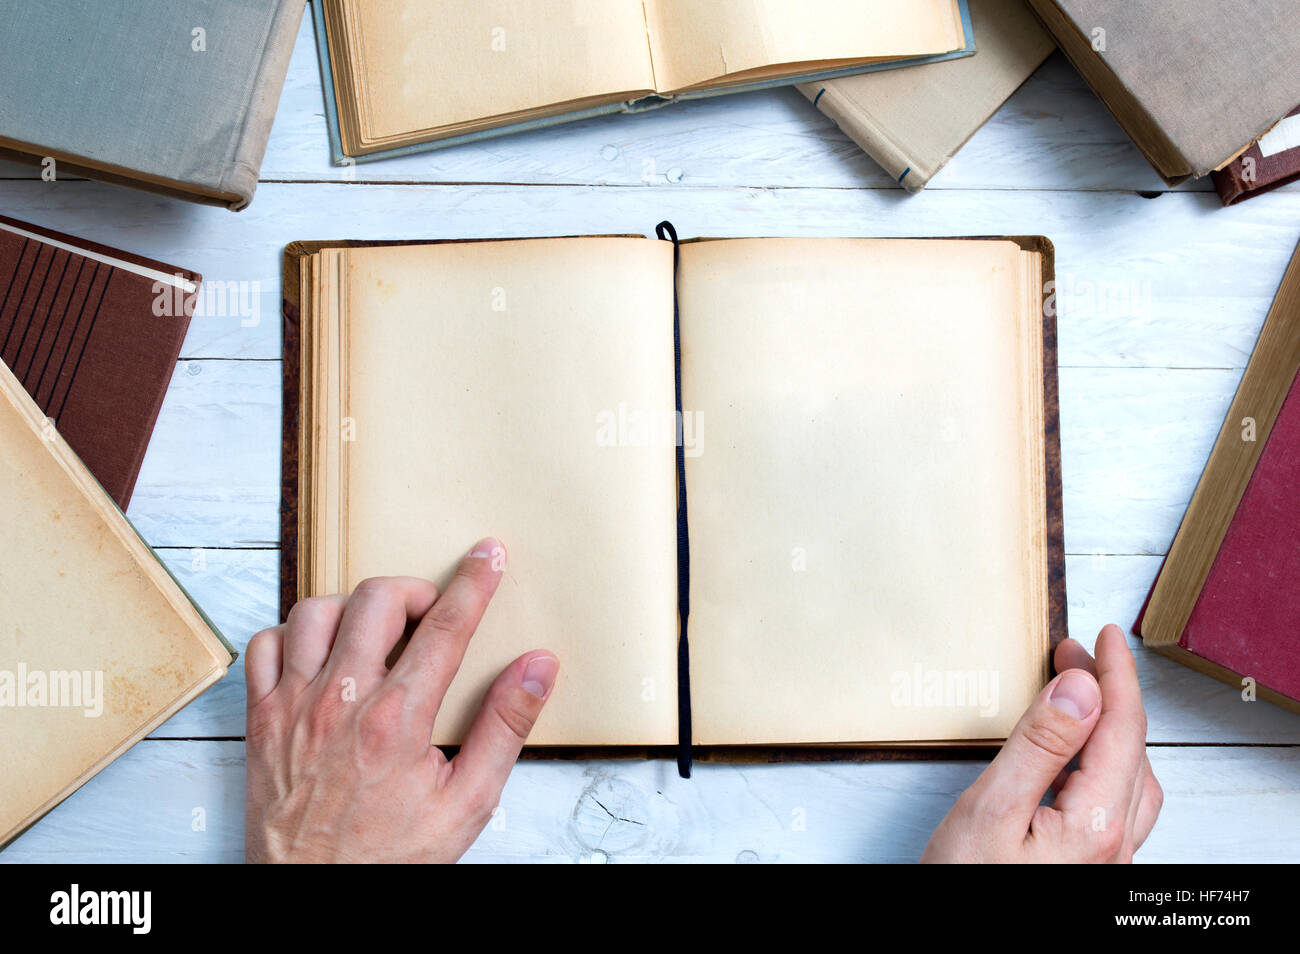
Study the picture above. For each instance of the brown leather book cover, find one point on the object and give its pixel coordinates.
(93, 334)
(293, 256)
(1270, 162)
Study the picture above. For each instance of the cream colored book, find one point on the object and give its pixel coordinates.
(98, 644)
(405, 74)
(913, 121)
(867, 439)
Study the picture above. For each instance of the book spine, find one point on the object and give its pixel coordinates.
(267, 83)
(872, 140)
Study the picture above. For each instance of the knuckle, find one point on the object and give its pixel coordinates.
(372, 586)
(1048, 739)
(381, 717)
(517, 720)
(306, 612)
(446, 617)
(1108, 842)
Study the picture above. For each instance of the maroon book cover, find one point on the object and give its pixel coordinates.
(93, 334)
(1264, 166)
(1247, 617)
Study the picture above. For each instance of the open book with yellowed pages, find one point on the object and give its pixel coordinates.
(99, 645)
(865, 445)
(406, 75)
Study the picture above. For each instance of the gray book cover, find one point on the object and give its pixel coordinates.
(174, 96)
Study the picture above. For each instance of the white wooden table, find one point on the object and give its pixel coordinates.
(1162, 294)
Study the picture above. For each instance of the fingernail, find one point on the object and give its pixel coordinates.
(539, 675)
(490, 548)
(1075, 694)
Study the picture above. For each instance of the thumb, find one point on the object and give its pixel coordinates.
(1049, 734)
(498, 733)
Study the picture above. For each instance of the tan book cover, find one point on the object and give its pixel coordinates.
(912, 121)
(1193, 82)
(98, 644)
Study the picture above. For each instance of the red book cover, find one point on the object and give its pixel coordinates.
(93, 334)
(1247, 617)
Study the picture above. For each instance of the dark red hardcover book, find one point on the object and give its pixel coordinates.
(1240, 539)
(93, 334)
(1270, 162)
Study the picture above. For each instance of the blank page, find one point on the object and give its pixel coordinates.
(867, 526)
(481, 381)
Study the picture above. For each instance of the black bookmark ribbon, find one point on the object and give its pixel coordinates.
(666, 232)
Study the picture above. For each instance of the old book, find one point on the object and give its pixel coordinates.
(93, 334)
(1272, 161)
(406, 75)
(99, 644)
(1227, 600)
(173, 96)
(1193, 82)
(913, 121)
(865, 447)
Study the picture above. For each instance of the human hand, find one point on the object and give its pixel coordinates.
(1103, 810)
(339, 762)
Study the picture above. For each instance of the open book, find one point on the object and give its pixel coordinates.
(99, 644)
(867, 441)
(404, 74)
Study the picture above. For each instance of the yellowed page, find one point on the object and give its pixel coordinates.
(479, 377)
(422, 65)
(98, 644)
(696, 42)
(866, 510)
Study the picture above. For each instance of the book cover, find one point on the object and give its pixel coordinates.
(1226, 601)
(1193, 82)
(93, 335)
(913, 121)
(1269, 163)
(172, 96)
(100, 644)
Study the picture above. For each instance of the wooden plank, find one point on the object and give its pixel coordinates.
(1166, 282)
(1221, 804)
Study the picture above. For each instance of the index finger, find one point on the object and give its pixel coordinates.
(431, 659)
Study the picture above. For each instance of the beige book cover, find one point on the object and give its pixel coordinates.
(912, 121)
(98, 644)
